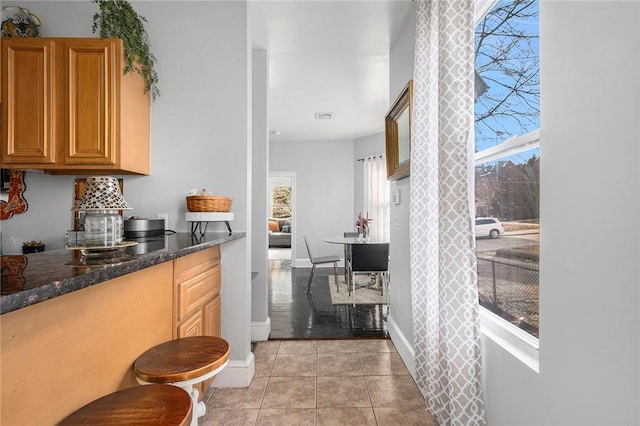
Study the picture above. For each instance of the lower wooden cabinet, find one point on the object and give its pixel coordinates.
(82, 345)
(197, 302)
(63, 353)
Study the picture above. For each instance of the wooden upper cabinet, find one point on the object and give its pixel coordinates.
(90, 100)
(29, 111)
(68, 108)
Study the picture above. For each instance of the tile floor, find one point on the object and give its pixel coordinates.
(322, 382)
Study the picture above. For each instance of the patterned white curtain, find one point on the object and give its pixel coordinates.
(376, 197)
(443, 263)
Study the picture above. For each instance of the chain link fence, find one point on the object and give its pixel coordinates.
(510, 289)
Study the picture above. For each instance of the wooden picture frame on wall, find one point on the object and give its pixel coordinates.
(398, 134)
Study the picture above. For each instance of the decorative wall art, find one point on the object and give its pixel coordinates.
(19, 22)
(15, 203)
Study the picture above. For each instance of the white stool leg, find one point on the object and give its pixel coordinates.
(199, 407)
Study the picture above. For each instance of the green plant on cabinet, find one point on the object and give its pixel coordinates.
(118, 19)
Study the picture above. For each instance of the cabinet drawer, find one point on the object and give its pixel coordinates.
(195, 291)
(196, 262)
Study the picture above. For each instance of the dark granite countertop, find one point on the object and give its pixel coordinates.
(33, 278)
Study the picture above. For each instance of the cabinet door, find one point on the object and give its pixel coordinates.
(211, 320)
(91, 126)
(28, 101)
(193, 326)
(212, 317)
(196, 291)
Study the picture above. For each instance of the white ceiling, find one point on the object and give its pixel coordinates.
(327, 56)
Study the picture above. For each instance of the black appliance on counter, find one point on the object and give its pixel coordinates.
(138, 227)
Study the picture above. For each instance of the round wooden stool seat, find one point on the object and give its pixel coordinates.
(184, 362)
(139, 405)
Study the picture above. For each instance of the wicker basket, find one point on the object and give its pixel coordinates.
(208, 203)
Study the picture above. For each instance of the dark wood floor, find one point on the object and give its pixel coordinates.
(297, 315)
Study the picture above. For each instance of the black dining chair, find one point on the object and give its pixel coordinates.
(347, 251)
(319, 261)
(369, 258)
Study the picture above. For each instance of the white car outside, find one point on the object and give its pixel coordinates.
(488, 227)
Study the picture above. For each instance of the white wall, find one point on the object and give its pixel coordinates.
(589, 276)
(199, 134)
(590, 280)
(48, 216)
(260, 323)
(324, 191)
(400, 322)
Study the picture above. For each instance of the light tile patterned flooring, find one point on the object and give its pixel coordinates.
(322, 382)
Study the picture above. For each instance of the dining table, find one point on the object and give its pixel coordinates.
(352, 240)
(347, 241)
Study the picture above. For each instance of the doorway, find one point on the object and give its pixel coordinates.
(282, 216)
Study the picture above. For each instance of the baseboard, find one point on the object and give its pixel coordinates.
(237, 374)
(301, 263)
(404, 347)
(260, 331)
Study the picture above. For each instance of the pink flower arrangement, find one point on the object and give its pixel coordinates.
(363, 223)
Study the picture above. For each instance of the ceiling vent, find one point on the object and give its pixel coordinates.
(324, 115)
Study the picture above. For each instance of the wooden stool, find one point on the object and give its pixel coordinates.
(139, 405)
(184, 362)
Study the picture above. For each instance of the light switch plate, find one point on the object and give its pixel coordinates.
(164, 216)
(395, 196)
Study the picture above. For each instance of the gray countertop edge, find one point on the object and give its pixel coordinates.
(97, 275)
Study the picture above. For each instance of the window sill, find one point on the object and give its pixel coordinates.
(518, 343)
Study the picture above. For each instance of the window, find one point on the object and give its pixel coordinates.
(376, 199)
(281, 202)
(507, 162)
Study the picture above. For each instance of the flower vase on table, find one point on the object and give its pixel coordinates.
(363, 227)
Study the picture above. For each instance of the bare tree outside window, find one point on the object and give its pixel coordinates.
(508, 170)
(507, 58)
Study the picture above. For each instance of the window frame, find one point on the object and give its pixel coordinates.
(517, 342)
